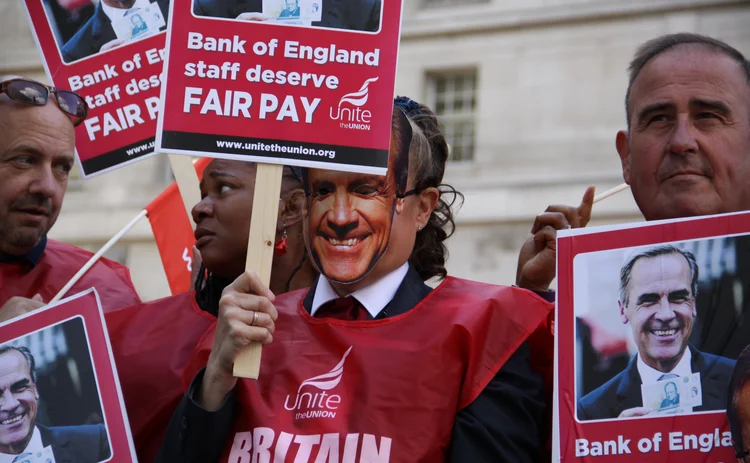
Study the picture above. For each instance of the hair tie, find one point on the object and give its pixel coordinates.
(407, 105)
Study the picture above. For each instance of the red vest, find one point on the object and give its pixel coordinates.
(151, 343)
(385, 390)
(58, 264)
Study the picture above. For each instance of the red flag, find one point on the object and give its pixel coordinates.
(173, 233)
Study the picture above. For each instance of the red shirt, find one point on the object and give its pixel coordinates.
(56, 266)
(151, 343)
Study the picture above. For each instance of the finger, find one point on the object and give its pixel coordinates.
(243, 335)
(261, 320)
(545, 238)
(249, 283)
(584, 210)
(556, 220)
(570, 212)
(248, 303)
(37, 297)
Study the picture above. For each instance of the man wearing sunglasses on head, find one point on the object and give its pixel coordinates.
(37, 145)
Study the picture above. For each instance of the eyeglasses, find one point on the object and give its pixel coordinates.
(35, 93)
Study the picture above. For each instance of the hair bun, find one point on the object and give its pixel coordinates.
(407, 105)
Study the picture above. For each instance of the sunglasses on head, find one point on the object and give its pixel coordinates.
(35, 93)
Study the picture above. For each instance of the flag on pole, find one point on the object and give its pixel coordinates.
(173, 233)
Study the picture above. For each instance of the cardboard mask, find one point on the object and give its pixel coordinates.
(349, 215)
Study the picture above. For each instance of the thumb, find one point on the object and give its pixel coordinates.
(37, 297)
(587, 203)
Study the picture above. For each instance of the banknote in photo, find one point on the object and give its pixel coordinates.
(43, 456)
(140, 23)
(673, 396)
(282, 9)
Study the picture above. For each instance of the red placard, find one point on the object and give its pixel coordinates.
(120, 84)
(599, 341)
(77, 400)
(311, 93)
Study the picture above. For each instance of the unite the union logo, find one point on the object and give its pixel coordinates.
(350, 112)
(318, 404)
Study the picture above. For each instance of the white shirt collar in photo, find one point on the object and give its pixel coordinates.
(35, 445)
(374, 298)
(115, 14)
(650, 375)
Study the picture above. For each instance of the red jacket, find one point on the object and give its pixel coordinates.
(381, 390)
(151, 343)
(56, 267)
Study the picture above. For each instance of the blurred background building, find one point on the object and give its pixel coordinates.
(530, 93)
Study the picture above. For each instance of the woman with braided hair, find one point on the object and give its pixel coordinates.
(370, 363)
(151, 342)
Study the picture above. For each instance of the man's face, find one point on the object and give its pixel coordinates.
(37, 144)
(18, 403)
(291, 5)
(687, 152)
(660, 309)
(349, 221)
(671, 391)
(137, 20)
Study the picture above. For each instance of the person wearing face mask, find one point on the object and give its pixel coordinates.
(37, 149)
(152, 341)
(370, 363)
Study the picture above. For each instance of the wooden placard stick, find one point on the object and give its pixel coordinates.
(187, 182)
(260, 246)
(611, 192)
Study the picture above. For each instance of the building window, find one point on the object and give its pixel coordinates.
(425, 4)
(453, 97)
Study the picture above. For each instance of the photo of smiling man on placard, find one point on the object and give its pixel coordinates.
(352, 15)
(349, 216)
(644, 355)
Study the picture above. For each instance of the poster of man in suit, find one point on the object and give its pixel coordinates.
(59, 396)
(656, 300)
(651, 320)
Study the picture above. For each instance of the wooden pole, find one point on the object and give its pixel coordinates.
(260, 249)
(611, 192)
(93, 260)
(187, 182)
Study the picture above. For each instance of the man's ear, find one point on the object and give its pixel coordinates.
(622, 143)
(623, 316)
(293, 209)
(428, 201)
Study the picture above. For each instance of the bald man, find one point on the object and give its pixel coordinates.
(37, 147)
(686, 149)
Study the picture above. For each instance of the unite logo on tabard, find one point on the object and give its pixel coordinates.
(312, 404)
(350, 112)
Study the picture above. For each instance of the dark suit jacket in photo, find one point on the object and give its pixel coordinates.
(356, 15)
(624, 390)
(76, 444)
(96, 32)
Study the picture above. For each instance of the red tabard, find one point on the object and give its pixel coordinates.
(376, 391)
(151, 343)
(57, 266)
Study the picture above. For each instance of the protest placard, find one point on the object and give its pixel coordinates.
(114, 60)
(57, 364)
(296, 83)
(270, 83)
(650, 320)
